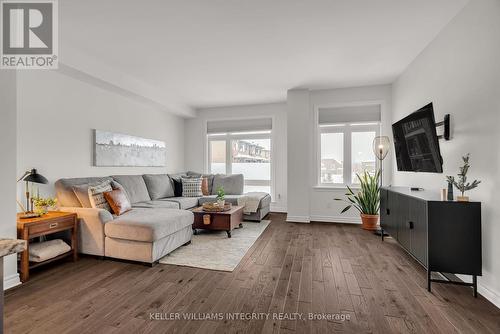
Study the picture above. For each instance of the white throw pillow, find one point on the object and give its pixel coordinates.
(96, 195)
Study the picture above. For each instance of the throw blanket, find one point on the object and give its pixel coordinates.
(250, 202)
(41, 251)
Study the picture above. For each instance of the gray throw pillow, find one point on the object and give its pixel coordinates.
(159, 185)
(232, 184)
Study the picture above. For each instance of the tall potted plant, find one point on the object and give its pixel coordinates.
(366, 200)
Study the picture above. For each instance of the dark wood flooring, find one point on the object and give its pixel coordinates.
(293, 268)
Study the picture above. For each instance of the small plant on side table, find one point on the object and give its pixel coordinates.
(462, 185)
(43, 205)
(366, 201)
(221, 195)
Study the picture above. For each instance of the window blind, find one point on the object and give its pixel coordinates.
(240, 125)
(353, 114)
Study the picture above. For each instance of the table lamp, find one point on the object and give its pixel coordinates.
(33, 177)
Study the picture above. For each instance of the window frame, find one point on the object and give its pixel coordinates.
(346, 128)
(228, 138)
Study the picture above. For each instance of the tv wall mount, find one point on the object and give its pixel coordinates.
(445, 123)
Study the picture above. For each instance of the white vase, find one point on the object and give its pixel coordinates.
(221, 203)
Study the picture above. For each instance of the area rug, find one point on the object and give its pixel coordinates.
(214, 250)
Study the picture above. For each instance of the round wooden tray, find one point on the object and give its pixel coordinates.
(226, 207)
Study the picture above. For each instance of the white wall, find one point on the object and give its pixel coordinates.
(8, 170)
(460, 72)
(56, 115)
(312, 203)
(196, 147)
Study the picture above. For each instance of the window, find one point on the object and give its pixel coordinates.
(252, 158)
(362, 157)
(346, 150)
(332, 157)
(218, 156)
(242, 147)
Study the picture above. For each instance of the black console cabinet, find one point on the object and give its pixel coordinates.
(444, 236)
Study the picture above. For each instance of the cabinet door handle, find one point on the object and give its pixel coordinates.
(410, 225)
(53, 225)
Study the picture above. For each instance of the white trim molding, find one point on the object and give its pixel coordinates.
(336, 219)
(485, 291)
(297, 219)
(11, 281)
(276, 208)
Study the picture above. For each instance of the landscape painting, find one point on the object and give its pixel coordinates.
(120, 150)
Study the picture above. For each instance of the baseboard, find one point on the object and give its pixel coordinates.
(336, 219)
(277, 208)
(298, 219)
(11, 281)
(488, 293)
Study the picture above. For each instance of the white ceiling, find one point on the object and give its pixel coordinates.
(189, 54)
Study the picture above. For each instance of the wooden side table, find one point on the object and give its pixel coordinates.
(52, 222)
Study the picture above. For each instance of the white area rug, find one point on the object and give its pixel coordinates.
(214, 250)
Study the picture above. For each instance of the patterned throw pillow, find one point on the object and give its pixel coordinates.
(96, 195)
(191, 187)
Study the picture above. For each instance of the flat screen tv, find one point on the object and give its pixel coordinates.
(416, 142)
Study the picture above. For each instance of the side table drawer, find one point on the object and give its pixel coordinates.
(56, 225)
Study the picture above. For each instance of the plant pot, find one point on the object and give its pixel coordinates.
(221, 203)
(462, 198)
(369, 222)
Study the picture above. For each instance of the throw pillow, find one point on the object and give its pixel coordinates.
(204, 187)
(96, 195)
(82, 193)
(118, 201)
(177, 187)
(191, 187)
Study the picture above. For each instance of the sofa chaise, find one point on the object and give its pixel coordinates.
(159, 221)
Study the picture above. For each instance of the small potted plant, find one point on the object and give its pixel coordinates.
(366, 201)
(221, 195)
(462, 185)
(43, 205)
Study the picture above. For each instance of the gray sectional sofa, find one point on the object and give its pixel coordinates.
(159, 221)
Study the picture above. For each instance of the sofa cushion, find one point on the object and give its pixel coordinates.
(232, 184)
(134, 186)
(159, 185)
(209, 177)
(65, 193)
(156, 204)
(148, 225)
(183, 202)
(233, 199)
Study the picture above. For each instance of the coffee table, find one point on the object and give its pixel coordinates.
(219, 221)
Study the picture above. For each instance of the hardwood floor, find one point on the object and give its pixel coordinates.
(292, 268)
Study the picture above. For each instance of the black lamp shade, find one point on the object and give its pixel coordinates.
(34, 177)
